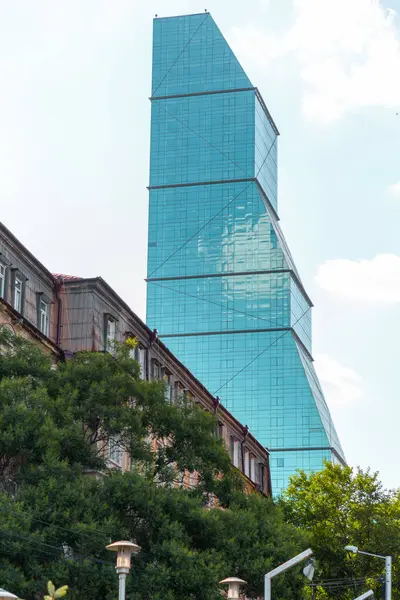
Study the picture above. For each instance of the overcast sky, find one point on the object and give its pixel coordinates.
(74, 146)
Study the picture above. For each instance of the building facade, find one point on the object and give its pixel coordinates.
(28, 295)
(223, 289)
(87, 315)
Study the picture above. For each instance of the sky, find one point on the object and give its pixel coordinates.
(74, 161)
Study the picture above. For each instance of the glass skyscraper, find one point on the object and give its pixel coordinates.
(223, 290)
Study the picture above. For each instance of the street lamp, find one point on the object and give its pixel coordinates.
(388, 568)
(124, 550)
(287, 565)
(234, 585)
(309, 569)
(4, 595)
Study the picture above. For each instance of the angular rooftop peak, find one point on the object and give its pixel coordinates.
(190, 55)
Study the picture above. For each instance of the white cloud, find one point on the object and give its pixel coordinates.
(348, 54)
(375, 280)
(341, 385)
(394, 189)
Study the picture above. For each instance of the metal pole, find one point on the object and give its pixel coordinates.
(122, 581)
(388, 568)
(122, 573)
(267, 588)
(388, 578)
(365, 596)
(290, 563)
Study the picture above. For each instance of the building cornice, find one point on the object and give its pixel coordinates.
(33, 263)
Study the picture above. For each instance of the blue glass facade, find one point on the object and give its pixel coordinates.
(223, 290)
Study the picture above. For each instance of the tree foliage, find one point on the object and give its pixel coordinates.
(341, 506)
(72, 413)
(61, 503)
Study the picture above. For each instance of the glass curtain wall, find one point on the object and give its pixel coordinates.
(223, 290)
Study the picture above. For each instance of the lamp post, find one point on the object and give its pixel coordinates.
(234, 584)
(4, 595)
(287, 565)
(124, 550)
(388, 568)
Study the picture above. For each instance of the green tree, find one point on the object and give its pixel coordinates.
(341, 506)
(56, 519)
(74, 412)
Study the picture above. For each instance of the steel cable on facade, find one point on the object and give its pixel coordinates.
(204, 140)
(212, 218)
(182, 122)
(241, 312)
(260, 354)
(208, 143)
(179, 55)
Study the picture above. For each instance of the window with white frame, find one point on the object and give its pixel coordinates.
(219, 430)
(247, 463)
(155, 370)
(138, 354)
(168, 386)
(133, 348)
(235, 447)
(17, 293)
(178, 389)
(44, 316)
(192, 480)
(115, 451)
(189, 396)
(110, 330)
(141, 358)
(252, 467)
(261, 471)
(3, 272)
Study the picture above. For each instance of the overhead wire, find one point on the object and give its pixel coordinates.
(343, 584)
(48, 523)
(50, 548)
(343, 581)
(5, 549)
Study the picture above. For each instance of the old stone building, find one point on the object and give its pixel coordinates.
(67, 314)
